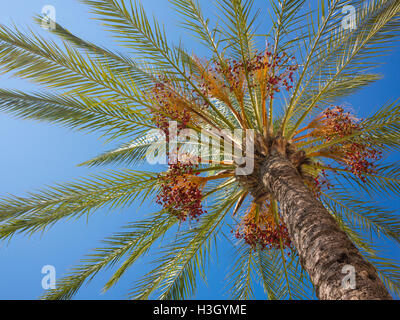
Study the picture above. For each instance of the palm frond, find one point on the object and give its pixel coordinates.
(385, 179)
(239, 23)
(379, 129)
(318, 30)
(354, 53)
(134, 243)
(239, 34)
(32, 57)
(240, 279)
(388, 271)
(287, 23)
(174, 275)
(278, 284)
(43, 209)
(365, 214)
(84, 114)
(144, 76)
(338, 89)
(194, 20)
(133, 28)
(130, 153)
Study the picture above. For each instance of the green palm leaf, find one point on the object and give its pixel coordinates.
(40, 210)
(134, 243)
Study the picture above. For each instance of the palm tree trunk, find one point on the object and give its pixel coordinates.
(323, 247)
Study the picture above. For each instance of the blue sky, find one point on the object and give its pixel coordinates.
(36, 154)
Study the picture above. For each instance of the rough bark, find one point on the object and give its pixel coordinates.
(323, 247)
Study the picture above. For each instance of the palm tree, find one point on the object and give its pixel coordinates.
(299, 217)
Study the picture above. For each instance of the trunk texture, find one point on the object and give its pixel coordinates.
(323, 247)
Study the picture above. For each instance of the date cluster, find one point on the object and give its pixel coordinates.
(261, 231)
(267, 71)
(168, 109)
(358, 155)
(181, 192)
